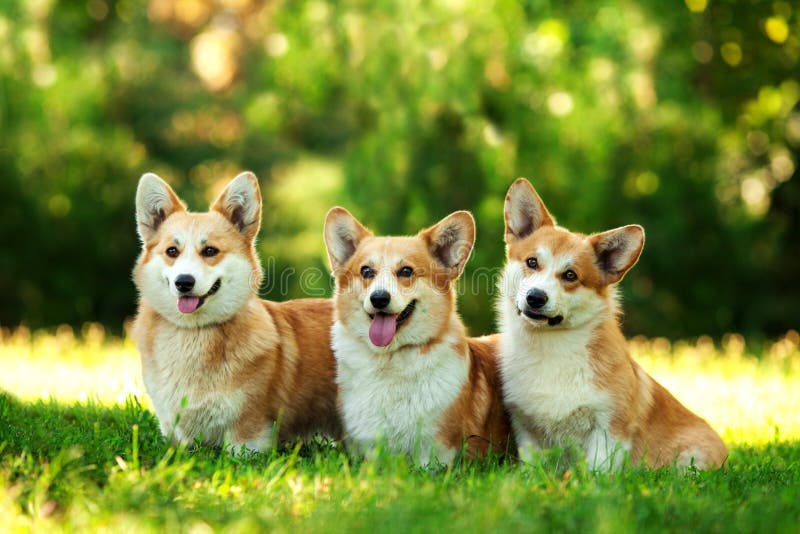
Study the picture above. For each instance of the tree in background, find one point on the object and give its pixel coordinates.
(680, 117)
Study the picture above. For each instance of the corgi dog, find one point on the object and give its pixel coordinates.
(568, 377)
(221, 365)
(407, 372)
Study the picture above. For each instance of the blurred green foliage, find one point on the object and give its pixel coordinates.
(681, 116)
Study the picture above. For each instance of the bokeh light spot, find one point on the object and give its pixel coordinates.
(214, 57)
(192, 12)
(776, 29)
(44, 75)
(644, 43)
(560, 103)
(696, 6)
(702, 51)
(276, 44)
(97, 9)
(547, 41)
(492, 135)
(770, 101)
(643, 90)
(496, 73)
(437, 57)
(731, 53)
(793, 129)
(754, 194)
(781, 165)
(647, 183)
(602, 69)
(642, 184)
(758, 142)
(59, 205)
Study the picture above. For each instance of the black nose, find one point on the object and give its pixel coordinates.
(184, 282)
(536, 298)
(380, 298)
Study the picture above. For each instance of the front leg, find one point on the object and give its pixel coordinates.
(604, 452)
(237, 445)
(528, 446)
(436, 450)
(360, 447)
(167, 430)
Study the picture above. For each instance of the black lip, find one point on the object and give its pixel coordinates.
(406, 313)
(551, 321)
(403, 316)
(211, 291)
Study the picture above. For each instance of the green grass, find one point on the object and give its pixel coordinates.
(80, 460)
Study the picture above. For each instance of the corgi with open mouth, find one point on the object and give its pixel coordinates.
(221, 365)
(407, 372)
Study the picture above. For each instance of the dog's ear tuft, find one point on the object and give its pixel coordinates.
(155, 201)
(450, 241)
(618, 250)
(342, 234)
(240, 203)
(524, 211)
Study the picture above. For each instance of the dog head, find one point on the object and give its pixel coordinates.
(555, 278)
(396, 291)
(197, 269)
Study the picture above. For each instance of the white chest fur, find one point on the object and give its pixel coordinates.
(399, 396)
(550, 390)
(190, 397)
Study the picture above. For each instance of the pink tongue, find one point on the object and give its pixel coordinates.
(188, 304)
(382, 329)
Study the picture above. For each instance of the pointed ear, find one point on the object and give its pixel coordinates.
(450, 241)
(342, 234)
(240, 203)
(618, 250)
(155, 201)
(524, 211)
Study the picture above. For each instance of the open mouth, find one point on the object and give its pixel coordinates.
(191, 304)
(384, 326)
(551, 321)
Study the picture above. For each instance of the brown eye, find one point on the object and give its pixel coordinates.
(210, 252)
(533, 263)
(405, 272)
(569, 276)
(173, 252)
(367, 272)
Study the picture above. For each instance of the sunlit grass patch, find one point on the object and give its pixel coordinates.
(91, 366)
(78, 453)
(748, 396)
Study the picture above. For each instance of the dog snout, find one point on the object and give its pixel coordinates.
(380, 298)
(184, 283)
(536, 298)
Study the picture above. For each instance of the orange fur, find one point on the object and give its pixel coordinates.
(479, 416)
(648, 416)
(431, 343)
(607, 392)
(229, 378)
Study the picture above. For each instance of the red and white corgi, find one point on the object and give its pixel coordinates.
(220, 364)
(407, 372)
(568, 376)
